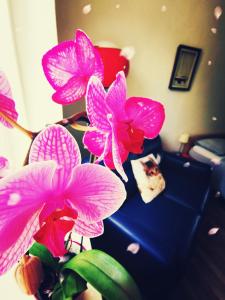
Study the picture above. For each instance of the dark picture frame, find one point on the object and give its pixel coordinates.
(184, 69)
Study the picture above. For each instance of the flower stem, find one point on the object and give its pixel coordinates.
(80, 127)
(73, 122)
(81, 243)
(16, 125)
(81, 116)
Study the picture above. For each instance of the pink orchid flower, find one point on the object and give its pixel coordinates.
(53, 195)
(7, 105)
(68, 67)
(4, 166)
(120, 125)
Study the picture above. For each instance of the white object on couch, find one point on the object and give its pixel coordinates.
(150, 181)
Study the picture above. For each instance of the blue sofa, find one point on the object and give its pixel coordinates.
(164, 228)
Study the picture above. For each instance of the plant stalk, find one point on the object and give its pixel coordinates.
(16, 125)
(73, 122)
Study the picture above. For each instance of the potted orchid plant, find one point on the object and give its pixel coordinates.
(54, 195)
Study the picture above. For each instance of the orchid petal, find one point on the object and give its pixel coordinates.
(4, 166)
(23, 192)
(4, 163)
(117, 148)
(89, 230)
(95, 192)
(95, 142)
(97, 108)
(60, 64)
(107, 149)
(107, 155)
(117, 158)
(72, 91)
(5, 88)
(69, 66)
(7, 107)
(22, 196)
(10, 257)
(146, 114)
(56, 143)
(108, 158)
(89, 59)
(116, 96)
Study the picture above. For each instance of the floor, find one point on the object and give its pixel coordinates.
(205, 274)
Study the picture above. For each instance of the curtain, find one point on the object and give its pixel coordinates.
(27, 31)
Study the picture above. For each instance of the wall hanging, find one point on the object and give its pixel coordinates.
(184, 69)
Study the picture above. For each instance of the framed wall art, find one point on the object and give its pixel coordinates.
(184, 69)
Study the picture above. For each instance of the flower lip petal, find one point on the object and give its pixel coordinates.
(52, 235)
(54, 228)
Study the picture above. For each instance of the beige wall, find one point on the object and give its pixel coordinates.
(155, 36)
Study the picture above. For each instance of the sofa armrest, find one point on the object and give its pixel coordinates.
(187, 181)
(178, 161)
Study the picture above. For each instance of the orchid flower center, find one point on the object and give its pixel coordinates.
(131, 137)
(54, 228)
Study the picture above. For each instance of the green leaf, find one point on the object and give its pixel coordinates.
(45, 256)
(73, 284)
(105, 274)
(58, 293)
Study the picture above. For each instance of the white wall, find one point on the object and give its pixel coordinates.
(155, 36)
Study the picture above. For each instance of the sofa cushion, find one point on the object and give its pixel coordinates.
(167, 221)
(187, 181)
(164, 230)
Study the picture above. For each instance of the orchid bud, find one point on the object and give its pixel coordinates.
(29, 274)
